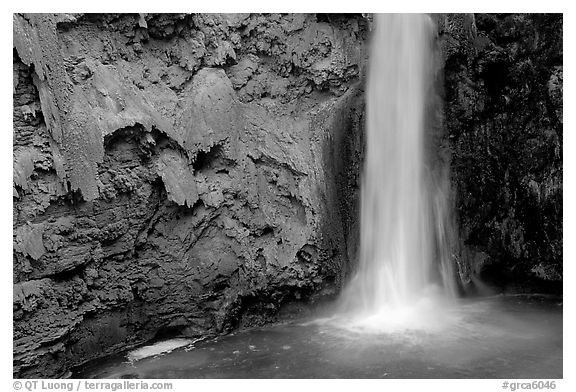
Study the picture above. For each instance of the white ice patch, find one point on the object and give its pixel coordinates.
(165, 346)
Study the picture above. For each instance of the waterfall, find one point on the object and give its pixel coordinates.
(404, 270)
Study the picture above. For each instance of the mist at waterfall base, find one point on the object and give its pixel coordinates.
(496, 337)
(398, 316)
(405, 277)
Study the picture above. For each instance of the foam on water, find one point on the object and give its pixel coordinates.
(157, 348)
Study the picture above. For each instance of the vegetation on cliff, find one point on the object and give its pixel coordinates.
(504, 123)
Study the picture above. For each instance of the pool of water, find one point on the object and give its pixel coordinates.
(496, 337)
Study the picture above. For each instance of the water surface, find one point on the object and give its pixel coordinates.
(496, 337)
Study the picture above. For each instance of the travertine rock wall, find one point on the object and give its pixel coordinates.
(191, 174)
(176, 174)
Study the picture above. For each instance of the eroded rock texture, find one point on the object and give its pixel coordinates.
(192, 174)
(177, 174)
(504, 122)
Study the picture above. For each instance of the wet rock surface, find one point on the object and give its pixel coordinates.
(175, 174)
(503, 87)
(193, 174)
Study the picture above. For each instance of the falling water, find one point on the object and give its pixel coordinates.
(403, 282)
(404, 272)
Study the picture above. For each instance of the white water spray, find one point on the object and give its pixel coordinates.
(404, 273)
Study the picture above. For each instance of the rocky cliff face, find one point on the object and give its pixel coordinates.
(177, 174)
(503, 87)
(191, 174)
